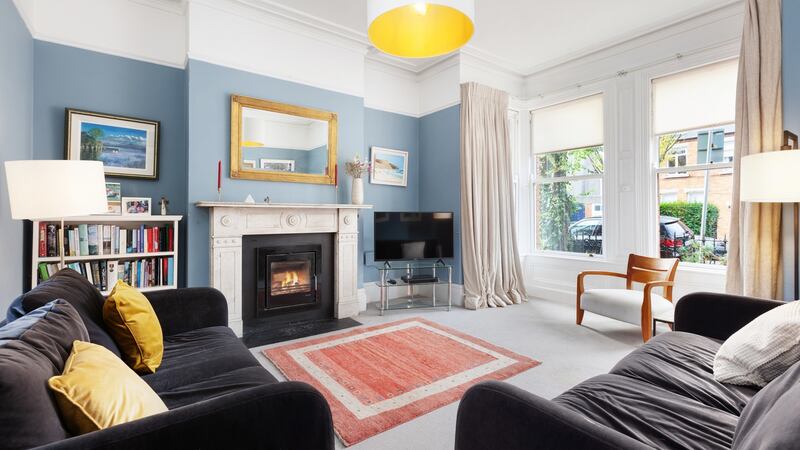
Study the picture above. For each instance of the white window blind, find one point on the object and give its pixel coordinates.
(698, 98)
(570, 125)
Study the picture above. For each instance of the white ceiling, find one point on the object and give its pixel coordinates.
(530, 35)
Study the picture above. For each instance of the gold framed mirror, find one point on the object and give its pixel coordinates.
(273, 141)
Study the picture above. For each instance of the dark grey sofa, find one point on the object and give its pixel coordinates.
(218, 394)
(662, 395)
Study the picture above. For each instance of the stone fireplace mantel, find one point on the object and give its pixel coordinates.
(229, 221)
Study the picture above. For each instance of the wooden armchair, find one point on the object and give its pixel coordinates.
(629, 305)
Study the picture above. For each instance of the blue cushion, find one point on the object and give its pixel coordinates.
(15, 311)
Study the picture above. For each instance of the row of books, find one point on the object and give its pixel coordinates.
(100, 239)
(139, 273)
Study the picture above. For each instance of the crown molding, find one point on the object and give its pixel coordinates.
(171, 6)
(675, 25)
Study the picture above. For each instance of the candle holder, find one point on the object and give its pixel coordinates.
(219, 194)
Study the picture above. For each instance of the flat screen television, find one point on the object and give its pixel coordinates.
(401, 236)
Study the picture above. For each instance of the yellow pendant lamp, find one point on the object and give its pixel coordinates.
(420, 29)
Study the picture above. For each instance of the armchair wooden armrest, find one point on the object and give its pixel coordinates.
(647, 307)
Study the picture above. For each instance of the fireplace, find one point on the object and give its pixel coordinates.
(288, 278)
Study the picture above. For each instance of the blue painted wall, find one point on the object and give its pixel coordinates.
(76, 78)
(16, 119)
(209, 89)
(440, 171)
(389, 130)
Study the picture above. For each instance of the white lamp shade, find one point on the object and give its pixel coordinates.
(55, 189)
(770, 177)
(255, 132)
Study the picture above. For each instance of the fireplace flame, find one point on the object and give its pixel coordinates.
(291, 278)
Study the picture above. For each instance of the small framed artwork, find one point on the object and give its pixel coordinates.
(114, 198)
(128, 147)
(248, 163)
(389, 167)
(136, 206)
(277, 165)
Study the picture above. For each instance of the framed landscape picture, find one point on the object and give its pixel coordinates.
(128, 147)
(389, 167)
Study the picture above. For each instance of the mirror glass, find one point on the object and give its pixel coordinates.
(283, 143)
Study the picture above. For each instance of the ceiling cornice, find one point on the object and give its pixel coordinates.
(702, 17)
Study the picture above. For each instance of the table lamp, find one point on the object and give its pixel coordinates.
(44, 189)
(772, 177)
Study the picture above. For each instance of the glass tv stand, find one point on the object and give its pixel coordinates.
(420, 281)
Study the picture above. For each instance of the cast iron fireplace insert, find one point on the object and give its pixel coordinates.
(287, 278)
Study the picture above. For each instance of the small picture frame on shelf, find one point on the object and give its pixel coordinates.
(248, 163)
(277, 165)
(136, 206)
(114, 198)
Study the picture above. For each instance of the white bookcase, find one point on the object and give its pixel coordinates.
(126, 222)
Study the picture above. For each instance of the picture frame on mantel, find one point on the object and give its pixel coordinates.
(127, 146)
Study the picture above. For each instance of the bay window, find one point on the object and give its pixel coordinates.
(567, 178)
(693, 134)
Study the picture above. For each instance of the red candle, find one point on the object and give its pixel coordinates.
(336, 174)
(219, 175)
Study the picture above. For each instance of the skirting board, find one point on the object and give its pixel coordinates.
(372, 293)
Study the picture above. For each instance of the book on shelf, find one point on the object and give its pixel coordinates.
(103, 274)
(103, 239)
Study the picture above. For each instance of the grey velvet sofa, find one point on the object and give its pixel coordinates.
(662, 395)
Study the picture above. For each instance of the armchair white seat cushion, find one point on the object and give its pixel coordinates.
(624, 304)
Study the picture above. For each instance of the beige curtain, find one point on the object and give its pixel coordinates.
(754, 258)
(490, 258)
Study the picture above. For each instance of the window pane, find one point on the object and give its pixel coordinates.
(569, 216)
(682, 231)
(583, 161)
(692, 147)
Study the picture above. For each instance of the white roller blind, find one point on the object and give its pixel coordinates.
(697, 98)
(570, 125)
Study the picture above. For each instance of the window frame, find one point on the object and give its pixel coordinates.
(652, 169)
(534, 180)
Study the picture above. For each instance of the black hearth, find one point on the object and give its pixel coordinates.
(287, 280)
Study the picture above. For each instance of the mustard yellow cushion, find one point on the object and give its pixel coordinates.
(133, 324)
(97, 390)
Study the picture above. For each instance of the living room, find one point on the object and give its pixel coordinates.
(452, 224)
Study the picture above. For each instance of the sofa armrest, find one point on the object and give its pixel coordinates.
(493, 415)
(187, 309)
(718, 316)
(287, 415)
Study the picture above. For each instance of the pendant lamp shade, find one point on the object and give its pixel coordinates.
(420, 29)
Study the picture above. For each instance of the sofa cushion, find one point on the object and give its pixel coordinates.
(623, 304)
(97, 390)
(762, 350)
(770, 420)
(76, 290)
(650, 414)
(215, 386)
(199, 355)
(133, 324)
(34, 348)
(682, 363)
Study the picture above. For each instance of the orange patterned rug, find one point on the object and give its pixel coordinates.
(378, 377)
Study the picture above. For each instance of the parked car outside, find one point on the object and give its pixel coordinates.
(587, 235)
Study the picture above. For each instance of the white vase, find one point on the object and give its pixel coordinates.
(357, 194)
